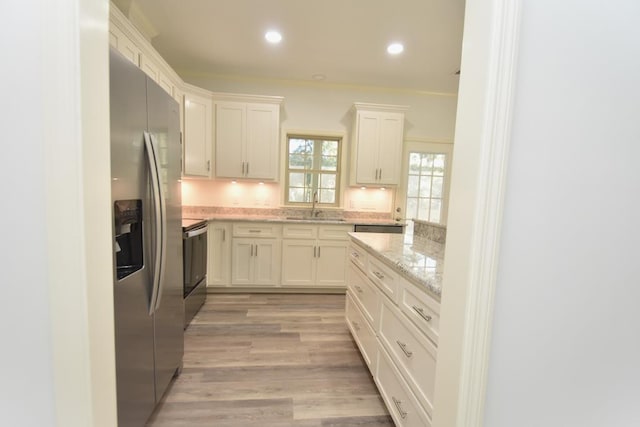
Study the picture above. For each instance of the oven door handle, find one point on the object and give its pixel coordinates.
(194, 233)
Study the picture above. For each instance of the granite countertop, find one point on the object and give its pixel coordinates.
(303, 220)
(417, 259)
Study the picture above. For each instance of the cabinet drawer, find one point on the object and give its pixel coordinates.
(365, 293)
(334, 232)
(256, 229)
(402, 404)
(362, 333)
(413, 353)
(383, 277)
(421, 309)
(358, 256)
(300, 231)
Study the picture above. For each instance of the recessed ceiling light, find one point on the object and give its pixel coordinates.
(395, 48)
(273, 37)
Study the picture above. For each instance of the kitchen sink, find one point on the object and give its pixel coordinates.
(308, 218)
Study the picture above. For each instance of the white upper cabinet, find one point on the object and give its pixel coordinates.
(124, 44)
(377, 144)
(153, 70)
(247, 138)
(197, 134)
(230, 134)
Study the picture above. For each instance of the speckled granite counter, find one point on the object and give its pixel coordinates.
(417, 259)
(280, 219)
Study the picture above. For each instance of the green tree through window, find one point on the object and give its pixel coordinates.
(425, 186)
(313, 166)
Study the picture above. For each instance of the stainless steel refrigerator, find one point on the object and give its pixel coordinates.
(146, 203)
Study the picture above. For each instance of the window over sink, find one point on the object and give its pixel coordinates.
(313, 170)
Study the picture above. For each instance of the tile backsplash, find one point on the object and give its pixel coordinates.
(269, 195)
(208, 211)
(429, 230)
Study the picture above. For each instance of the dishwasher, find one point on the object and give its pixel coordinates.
(379, 228)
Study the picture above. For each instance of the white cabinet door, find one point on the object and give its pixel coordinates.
(367, 154)
(377, 139)
(261, 152)
(390, 148)
(230, 135)
(255, 262)
(332, 263)
(197, 135)
(266, 260)
(298, 262)
(247, 140)
(178, 95)
(218, 254)
(242, 261)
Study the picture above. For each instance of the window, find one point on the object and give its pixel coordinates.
(425, 186)
(313, 165)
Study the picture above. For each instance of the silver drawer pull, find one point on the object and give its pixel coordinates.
(255, 231)
(378, 275)
(358, 288)
(356, 326)
(398, 403)
(403, 347)
(355, 254)
(422, 314)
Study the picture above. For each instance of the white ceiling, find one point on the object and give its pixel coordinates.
(345, 40)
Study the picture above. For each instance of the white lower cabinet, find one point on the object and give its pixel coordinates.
(219, 254)
(363, 334)
(395, 325)
(365, 294)
(314, 255)
(331, 263)
(255, 262)
(298, 262)
(401, 402)
(246, 254)
(414, 355)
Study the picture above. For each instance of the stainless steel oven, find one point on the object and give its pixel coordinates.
(194, 242)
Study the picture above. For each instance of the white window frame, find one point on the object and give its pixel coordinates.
(430, 147)
(342, 167)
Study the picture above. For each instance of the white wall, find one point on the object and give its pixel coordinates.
(26, 389)
(56, 308)
(566, 336)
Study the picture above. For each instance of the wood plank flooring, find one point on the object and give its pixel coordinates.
(272, 360)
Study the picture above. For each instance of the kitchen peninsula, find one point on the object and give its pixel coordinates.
(392, 311)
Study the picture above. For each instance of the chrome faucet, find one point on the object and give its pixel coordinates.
(314, 201)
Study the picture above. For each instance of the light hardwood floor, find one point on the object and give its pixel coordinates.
(272, 360)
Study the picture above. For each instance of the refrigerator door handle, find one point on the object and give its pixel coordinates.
(158, 221)
(163, 215)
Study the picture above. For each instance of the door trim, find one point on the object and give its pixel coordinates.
(483, 124)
